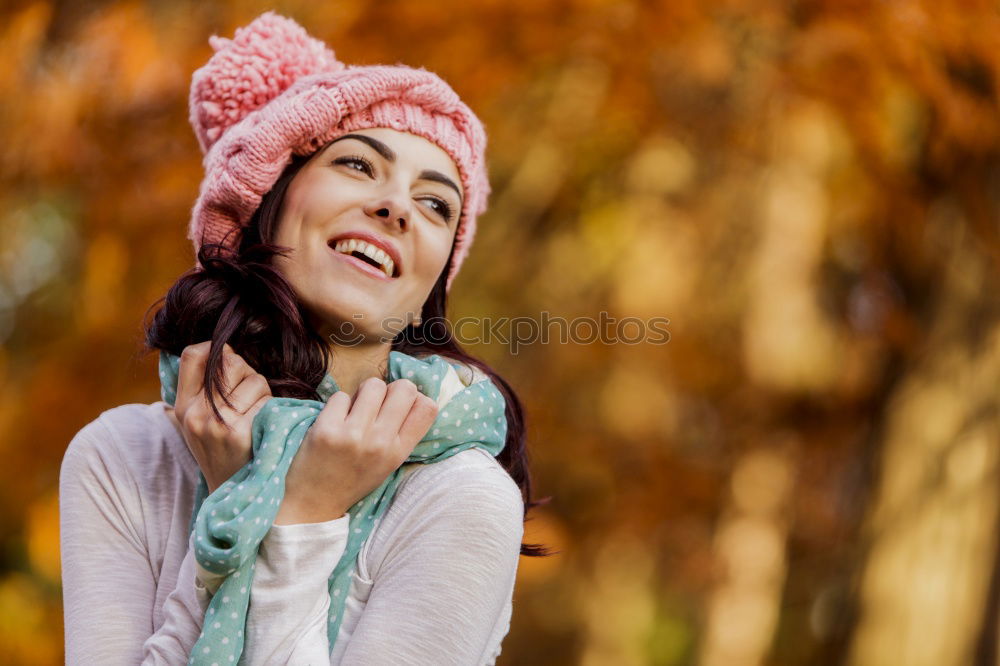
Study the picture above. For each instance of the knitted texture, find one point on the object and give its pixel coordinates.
(273, 91)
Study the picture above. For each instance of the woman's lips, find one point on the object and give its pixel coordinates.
(361, 265)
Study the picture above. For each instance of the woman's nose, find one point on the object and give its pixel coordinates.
(392, 210)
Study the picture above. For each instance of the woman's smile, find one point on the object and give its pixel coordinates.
(361, 265)
(372, 248)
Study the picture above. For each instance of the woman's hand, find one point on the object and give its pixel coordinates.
(350, 449)
(219, 448)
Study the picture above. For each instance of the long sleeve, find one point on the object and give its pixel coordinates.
(184, 615)
(109, 587)
(290, 598)
(449, 553)
(108, 583)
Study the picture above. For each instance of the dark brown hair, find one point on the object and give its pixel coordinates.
(238, 297)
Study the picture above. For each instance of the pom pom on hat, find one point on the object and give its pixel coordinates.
(262, 60)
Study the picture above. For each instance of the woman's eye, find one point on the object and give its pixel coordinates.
(365, 165)
(443, 209)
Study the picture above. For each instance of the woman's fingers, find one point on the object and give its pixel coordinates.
(399, 398)
(336, 408)
(419, 419)
(243, 425)
(190, 373)
(241, 386)
(367, 402)
(248, 391)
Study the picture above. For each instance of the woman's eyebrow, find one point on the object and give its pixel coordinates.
(390, 156)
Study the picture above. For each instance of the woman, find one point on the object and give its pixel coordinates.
(338, 205)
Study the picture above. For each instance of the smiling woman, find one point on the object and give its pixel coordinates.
(323, 481)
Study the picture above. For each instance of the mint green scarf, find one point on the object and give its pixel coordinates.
(230, 523)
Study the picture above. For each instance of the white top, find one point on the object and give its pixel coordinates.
(433, 584)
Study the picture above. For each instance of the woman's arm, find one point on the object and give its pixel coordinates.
(450, 544)
(107, 578)
(109, 590)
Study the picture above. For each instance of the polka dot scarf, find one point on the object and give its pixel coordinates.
(230, 523)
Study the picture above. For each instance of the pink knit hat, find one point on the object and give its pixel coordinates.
(273, 90)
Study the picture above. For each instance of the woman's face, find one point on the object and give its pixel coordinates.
(380, 192)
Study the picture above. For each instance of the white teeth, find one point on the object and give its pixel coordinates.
(353, 245)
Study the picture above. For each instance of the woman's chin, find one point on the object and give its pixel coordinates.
(345, 324)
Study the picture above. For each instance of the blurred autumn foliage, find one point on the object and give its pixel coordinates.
(807, 473)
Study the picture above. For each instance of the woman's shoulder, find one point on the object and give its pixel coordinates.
(470, 482)
(472, 466)
(466, 502)
(137, 436)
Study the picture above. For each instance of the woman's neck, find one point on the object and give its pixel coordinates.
(351, 365)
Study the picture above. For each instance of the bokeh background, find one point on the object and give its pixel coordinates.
(806, 473)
